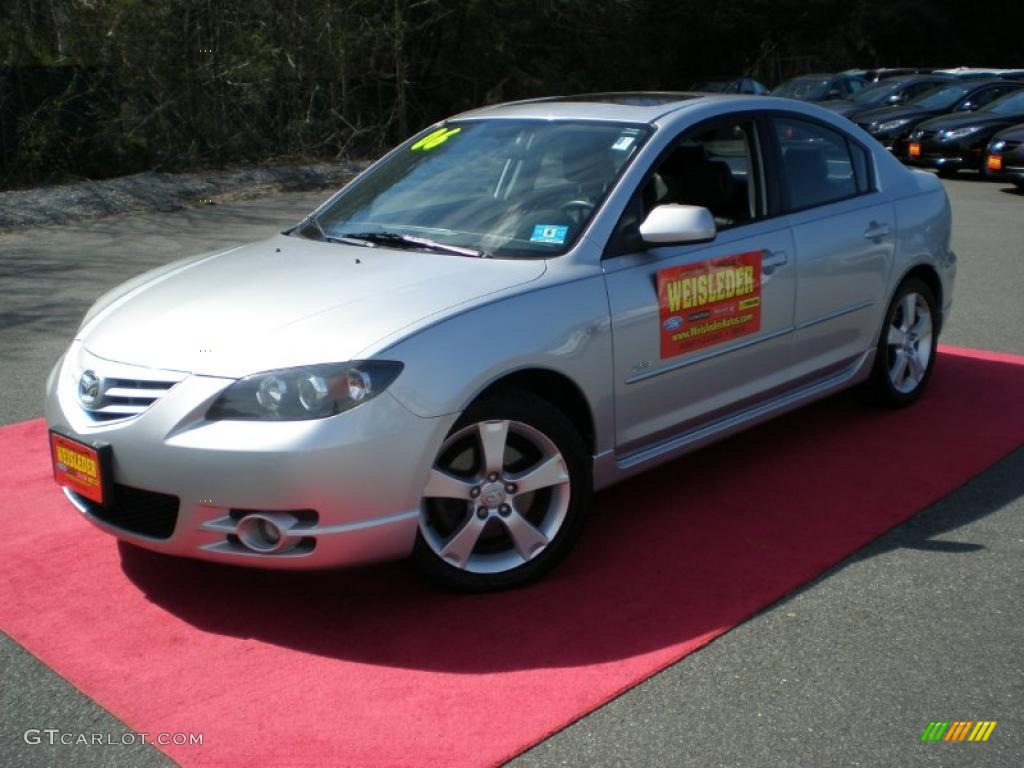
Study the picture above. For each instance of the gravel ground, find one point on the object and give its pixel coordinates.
(151, 191)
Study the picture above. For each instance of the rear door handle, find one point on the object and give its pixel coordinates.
(877, 231)
(771, 260)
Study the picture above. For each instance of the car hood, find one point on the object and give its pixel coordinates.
(952, 122)
(841, 106)
(882, 114)
(1013, 133)
(286, 302)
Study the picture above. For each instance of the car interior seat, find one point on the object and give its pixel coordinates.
(692, 178)
(807, 175)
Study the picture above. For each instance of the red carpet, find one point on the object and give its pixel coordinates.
(374, 667)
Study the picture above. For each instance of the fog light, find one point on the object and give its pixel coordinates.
(266, 532)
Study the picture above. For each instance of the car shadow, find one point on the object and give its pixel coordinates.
(670, 557)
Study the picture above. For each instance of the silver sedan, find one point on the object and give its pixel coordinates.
(514, 308)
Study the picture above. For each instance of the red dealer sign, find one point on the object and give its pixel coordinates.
(709, 302)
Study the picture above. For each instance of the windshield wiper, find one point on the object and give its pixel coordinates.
(396, 240)
(314, 219)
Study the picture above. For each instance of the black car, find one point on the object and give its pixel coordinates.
(885, 93)
(745, 84)
(891, 125)
(1004, 156)
(820, 87)
(952, 142)
(884, 73)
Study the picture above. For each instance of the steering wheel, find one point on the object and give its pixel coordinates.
(577, 209)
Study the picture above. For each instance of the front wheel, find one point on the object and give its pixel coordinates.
(506, 496)
(906, 349)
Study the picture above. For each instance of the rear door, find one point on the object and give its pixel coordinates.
(844, 238)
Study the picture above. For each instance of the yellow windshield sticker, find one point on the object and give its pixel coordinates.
(434, 139)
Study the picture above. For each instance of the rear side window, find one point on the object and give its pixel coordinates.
(819, 165)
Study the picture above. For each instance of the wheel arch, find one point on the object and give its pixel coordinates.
(930, 276)
(554, 387)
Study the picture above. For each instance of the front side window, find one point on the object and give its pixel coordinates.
(504, 188)
(989, 96)
(819, 165)
(716, 167)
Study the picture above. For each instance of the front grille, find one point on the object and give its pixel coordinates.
(137, 511)
(121, 398)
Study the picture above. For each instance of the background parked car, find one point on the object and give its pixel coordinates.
(884, 73)
(952, 142)
(887, 92)
(976, 72)
(892, 125)
(820, 87)
(745, 84)
(1004, 156)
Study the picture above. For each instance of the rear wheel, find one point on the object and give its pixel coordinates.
(905, 355)
(506, 496)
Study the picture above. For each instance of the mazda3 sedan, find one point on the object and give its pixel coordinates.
(954, 142)
(892, 125)
(514, 308)
(1004, 156)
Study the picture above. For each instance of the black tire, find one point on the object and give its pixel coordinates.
(524, 408)
(881, 385)
(947, 173)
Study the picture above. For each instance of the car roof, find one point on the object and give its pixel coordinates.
(624, 106)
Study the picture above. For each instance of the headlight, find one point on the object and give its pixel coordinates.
(997, 146)
(892, 125)
(312, 392)
(959, 133)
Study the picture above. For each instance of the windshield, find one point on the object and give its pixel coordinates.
(943, 97)
(505, 188)
(1011, 104)
(874, 94)
(803, 88)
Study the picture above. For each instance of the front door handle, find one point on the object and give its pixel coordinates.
(876, 231)
(771, 260)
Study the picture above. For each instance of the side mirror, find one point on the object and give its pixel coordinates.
(897, 98)
(967, 106)
(674, 224)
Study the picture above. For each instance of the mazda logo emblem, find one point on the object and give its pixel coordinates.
(89, 389)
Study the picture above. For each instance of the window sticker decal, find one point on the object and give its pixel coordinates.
(434, 139)
(624, 143)
(709, 302)
(549, 233)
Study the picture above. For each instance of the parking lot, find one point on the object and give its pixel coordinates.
(924, 624)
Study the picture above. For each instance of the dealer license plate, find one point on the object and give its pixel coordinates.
(80, 467)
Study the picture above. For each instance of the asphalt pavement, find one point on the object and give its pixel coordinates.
(925, 623)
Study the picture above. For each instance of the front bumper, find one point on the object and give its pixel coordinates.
(951, 154)
(355, 480)
(1012, 170)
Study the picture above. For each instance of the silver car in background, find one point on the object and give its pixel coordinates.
(514, 308)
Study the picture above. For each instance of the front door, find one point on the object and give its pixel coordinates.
(700, 329)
